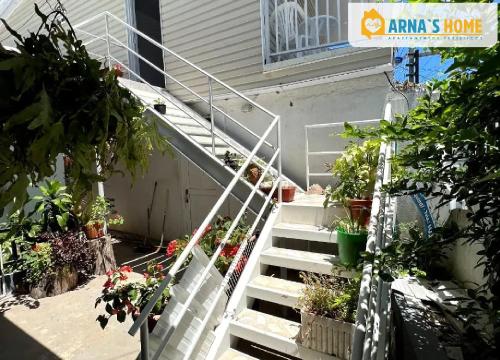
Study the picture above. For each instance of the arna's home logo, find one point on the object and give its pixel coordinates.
(372, 24)
(423, 24)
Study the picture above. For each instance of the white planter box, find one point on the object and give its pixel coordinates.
(327, 335)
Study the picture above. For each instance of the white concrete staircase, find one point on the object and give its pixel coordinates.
(267, 283)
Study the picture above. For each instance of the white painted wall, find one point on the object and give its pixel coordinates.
(173, 175)
(348, 100)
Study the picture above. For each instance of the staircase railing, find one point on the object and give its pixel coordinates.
(275, 157)
(372, 335)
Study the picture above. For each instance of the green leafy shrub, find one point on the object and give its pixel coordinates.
(451, 152)
(37, 262)
(101, 210)
(330, 296)
(55, 207)
(355, 172)
(55, 99)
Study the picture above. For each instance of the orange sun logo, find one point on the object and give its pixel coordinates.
(372, 23)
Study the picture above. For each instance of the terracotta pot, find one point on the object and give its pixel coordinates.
(94, 230)
(152, 319)
(361, 210)
(287, 193)
(253, 174)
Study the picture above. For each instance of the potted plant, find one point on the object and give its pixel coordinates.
(125, 298)
(211, 239)
(351, 237)
(328, 307)
(355, 172)
(100, 211)
(160, 106)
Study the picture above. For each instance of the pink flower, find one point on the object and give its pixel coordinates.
(146, 275)
(159, 267)
(110, 272)
(123, 277)
(172, 246)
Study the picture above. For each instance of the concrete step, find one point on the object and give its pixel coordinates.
(219, 150)
(304, 261)
(207, 140)
(194, 130)
(309, 210)
(275, 290)
(231, 354)
(273, 332)
(304, 232)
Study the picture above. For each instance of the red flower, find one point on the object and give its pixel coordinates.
(125, 268)
(123, 277)
(241, 264)
(234, 250)
(172, 246)
(230, 250)
(109, 284)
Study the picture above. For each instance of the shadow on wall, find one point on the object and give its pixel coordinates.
(16, 344)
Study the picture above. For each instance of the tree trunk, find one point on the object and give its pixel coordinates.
(105, 256)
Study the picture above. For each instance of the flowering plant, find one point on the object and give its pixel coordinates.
(211, 239)
(124, 298)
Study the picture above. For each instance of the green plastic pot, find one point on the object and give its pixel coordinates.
(350, 246)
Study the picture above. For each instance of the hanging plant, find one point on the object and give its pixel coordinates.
(55, 99)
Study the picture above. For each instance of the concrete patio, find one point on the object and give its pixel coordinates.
(63, 327)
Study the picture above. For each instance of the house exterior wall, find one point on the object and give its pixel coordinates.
(348, 100)
(223, 37)
(24, 20)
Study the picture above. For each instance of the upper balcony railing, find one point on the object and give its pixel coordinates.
(297, 28)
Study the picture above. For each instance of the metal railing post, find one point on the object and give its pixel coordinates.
(144, 341)
(278, 134)
(210, 103)
(307, 158)
(106, 20)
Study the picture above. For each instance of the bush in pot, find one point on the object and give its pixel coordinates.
(100, 212)
(351, 237)
(328, 305)
(124, 298)
(355, 171)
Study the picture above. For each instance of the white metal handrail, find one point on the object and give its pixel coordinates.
(141, 322)
(111, 40)
(308, 153)
(370, 336)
